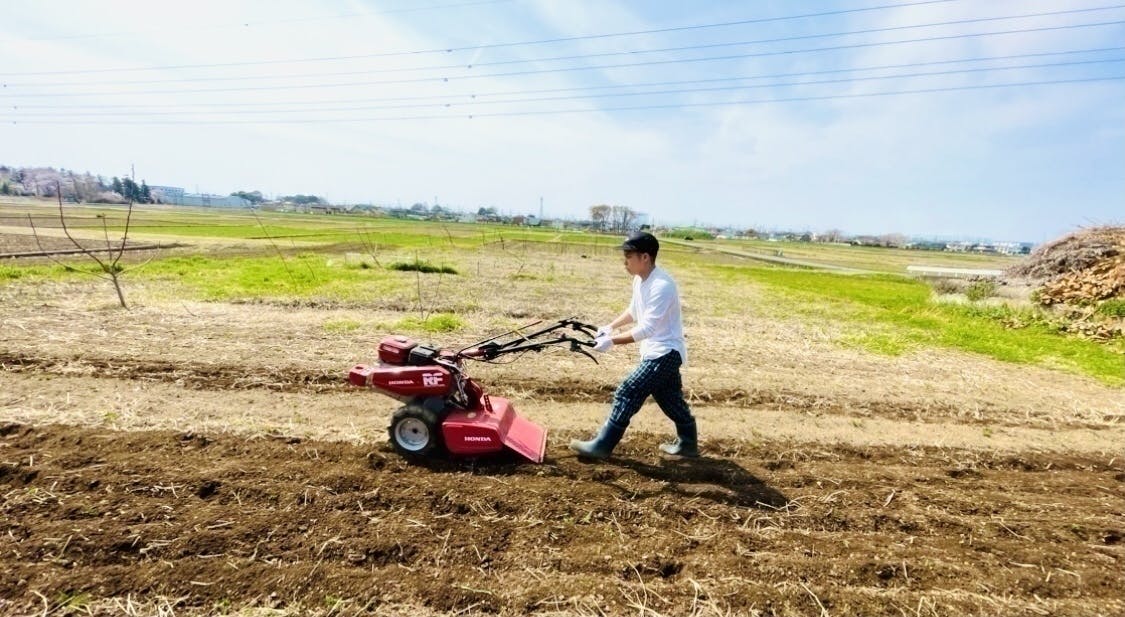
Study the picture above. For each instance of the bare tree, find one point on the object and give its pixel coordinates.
(284, 263)
(111, 268)
(622, 217)
(832, 235)
(893, 240)
(371, 247)
(426, 309)
(600, 214)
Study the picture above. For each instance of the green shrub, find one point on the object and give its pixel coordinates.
(1113, 308)
(945, 286)
(980, 290)
(341, 325)
(1014, 318)
(419, 265)
(441, 322)
(9, 273)
(688, 233)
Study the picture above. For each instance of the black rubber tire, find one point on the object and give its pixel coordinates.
(415, 432)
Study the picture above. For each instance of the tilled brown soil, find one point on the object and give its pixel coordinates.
(935, 483)
(550, 387)
(217, 523)
(13, 245)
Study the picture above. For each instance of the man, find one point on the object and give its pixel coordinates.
(655, 311)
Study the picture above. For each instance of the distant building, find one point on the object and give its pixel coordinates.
(328, 209)
(642, 220)
(991, 248)
(167, 194)
(927, 245)
(1013, 248)
(176, 196)
(214, 201)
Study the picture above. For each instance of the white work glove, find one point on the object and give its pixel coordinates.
(603, 331)
(603, 344)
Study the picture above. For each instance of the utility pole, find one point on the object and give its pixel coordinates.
(540, 208)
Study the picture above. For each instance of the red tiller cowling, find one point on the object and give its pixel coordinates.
(487, 431)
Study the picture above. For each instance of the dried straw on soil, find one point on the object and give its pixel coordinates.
(1072, 253)
(212, 523)
(738, 354)
(1084, 266)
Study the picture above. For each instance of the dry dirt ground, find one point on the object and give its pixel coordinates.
(206, 458)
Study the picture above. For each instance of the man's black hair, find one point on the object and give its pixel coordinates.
(641, 242)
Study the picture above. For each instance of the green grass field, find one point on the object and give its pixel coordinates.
(872, 258)
(285, 228)
(301, 257)
(893, 315)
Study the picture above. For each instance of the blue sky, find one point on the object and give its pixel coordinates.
(320, 98)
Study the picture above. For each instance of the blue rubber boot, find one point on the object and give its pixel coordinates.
(602, 445)
(687, 441)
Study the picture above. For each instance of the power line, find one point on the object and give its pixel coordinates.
(567, 69)
(449, 105)
(247, 24)
(475, 95)
(573, 56)
(445, 50)
(813, 98)
(579, 110)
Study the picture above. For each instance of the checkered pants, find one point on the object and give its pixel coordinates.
(659, 378)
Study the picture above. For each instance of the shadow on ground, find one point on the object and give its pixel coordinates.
(719, 480)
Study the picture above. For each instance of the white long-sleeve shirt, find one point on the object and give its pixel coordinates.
(655, 308)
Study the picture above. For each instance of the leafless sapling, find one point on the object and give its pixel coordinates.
(111, 268)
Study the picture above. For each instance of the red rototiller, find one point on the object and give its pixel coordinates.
(444, 410)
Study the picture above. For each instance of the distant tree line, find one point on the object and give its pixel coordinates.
(257, 198)
(689, 233)
(81, 187)
(131, 191)
(302, 199)
(86, 187)
(254, 197)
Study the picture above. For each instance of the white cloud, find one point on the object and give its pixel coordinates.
(978, 162)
